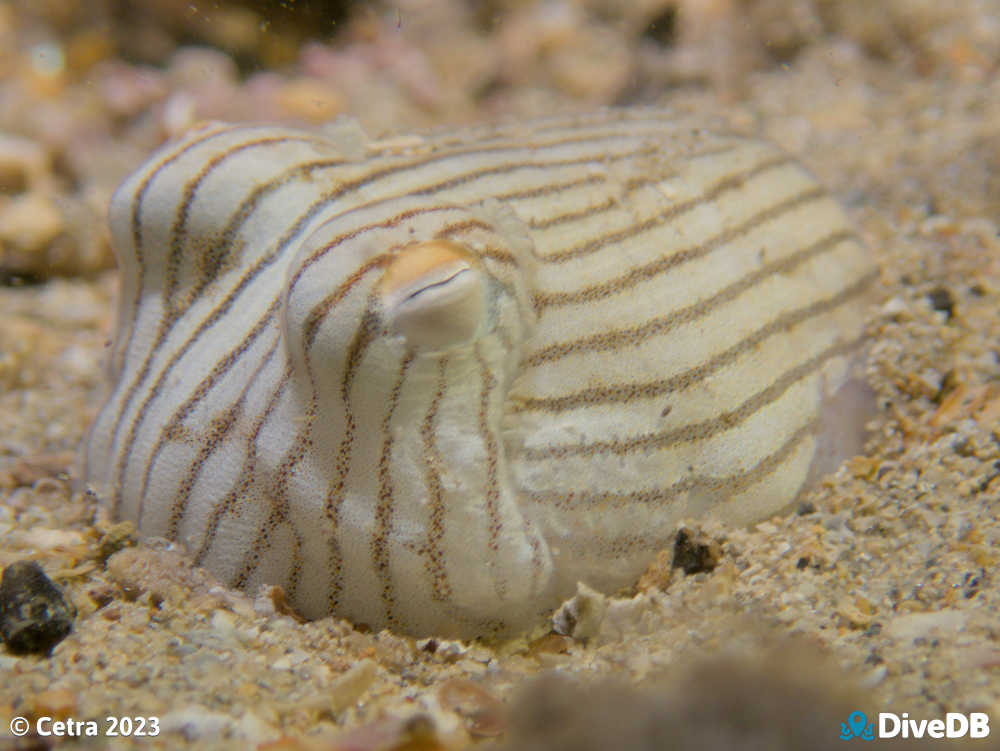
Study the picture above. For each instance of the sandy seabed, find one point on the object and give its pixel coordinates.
(879, 592)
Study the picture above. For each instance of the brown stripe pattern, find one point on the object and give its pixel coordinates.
(432, 386)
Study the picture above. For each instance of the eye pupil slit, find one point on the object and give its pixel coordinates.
(437, 284)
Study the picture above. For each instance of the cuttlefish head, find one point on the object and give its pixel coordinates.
(406, 277)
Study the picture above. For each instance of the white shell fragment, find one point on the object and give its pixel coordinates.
(433, 385)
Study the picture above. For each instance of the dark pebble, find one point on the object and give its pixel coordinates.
(695, 554)
(34, 615)
(942, 300)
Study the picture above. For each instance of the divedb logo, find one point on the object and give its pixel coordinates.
(890, 725)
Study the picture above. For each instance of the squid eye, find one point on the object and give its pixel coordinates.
(433, 294)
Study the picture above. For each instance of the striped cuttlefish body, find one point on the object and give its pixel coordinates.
(431, 383)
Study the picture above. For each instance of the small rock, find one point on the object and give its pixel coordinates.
(24, 164)
(629, 616)
(444, 649)
(34, 615)
(894, 308)
(224, 626)
(271, 600)
(484, 715)
(581, 616)
(347, 688)
(942, 300)
(29, 222)
(391, 734)
(197, 723)
(254, 729)
(695, 554)
(874, 677)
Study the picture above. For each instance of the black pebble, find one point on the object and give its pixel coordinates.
(695, 554)
(34, 615)
(942, 300)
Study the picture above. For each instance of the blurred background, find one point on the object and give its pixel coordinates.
(88, 89)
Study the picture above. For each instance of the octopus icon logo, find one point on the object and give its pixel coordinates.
(857, 726)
